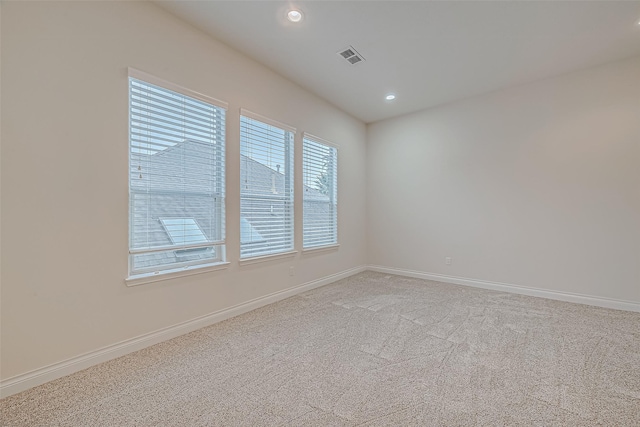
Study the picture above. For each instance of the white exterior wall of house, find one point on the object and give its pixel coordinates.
(65, 177)
(536, 186)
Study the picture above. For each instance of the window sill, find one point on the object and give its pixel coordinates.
(321, 249)
(141, 279)
(265, 258)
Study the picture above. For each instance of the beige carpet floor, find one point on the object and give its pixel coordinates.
(370, 350)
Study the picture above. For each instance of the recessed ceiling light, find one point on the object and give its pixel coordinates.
(294, 15)
(390, 97)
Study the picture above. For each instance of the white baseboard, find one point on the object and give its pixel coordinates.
(515, 289)
(54, 371)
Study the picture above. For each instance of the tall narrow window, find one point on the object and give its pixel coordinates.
(320, 193)
(266, 186)
(176, 178)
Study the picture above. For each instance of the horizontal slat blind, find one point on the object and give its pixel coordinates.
(266, 188)
(320, 194)
(176, 179)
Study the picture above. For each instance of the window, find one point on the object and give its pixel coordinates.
(176, 178)
(320, 193)
(266, 186)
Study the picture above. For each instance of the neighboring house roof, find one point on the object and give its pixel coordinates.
(263, 200)
(160, 194)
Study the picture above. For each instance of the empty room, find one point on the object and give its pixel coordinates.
(320, 213)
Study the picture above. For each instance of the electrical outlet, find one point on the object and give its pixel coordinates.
(292, 271)
(448, 260)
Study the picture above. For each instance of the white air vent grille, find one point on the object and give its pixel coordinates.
(351, 55)
(347, 53)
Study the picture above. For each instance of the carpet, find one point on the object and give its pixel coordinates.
(369, 350)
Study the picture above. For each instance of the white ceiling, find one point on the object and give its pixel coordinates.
(428, 53)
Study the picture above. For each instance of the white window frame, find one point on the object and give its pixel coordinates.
(178, 269)
(291, 251)
(333, 197)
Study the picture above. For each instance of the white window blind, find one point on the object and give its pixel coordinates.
(266, 186)
(176, 179)
(320, 193)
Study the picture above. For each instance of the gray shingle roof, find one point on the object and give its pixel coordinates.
(160, 193)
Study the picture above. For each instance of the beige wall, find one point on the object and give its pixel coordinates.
(535, 186)
(64, 176)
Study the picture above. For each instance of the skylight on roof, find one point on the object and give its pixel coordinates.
(183, 231)
(248, 234)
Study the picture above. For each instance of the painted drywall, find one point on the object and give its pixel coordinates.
(537, 186)
(65, 176)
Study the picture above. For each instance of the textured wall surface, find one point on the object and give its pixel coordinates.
(65, 176)
(537, 186)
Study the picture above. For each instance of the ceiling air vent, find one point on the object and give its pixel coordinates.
(351, 55)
